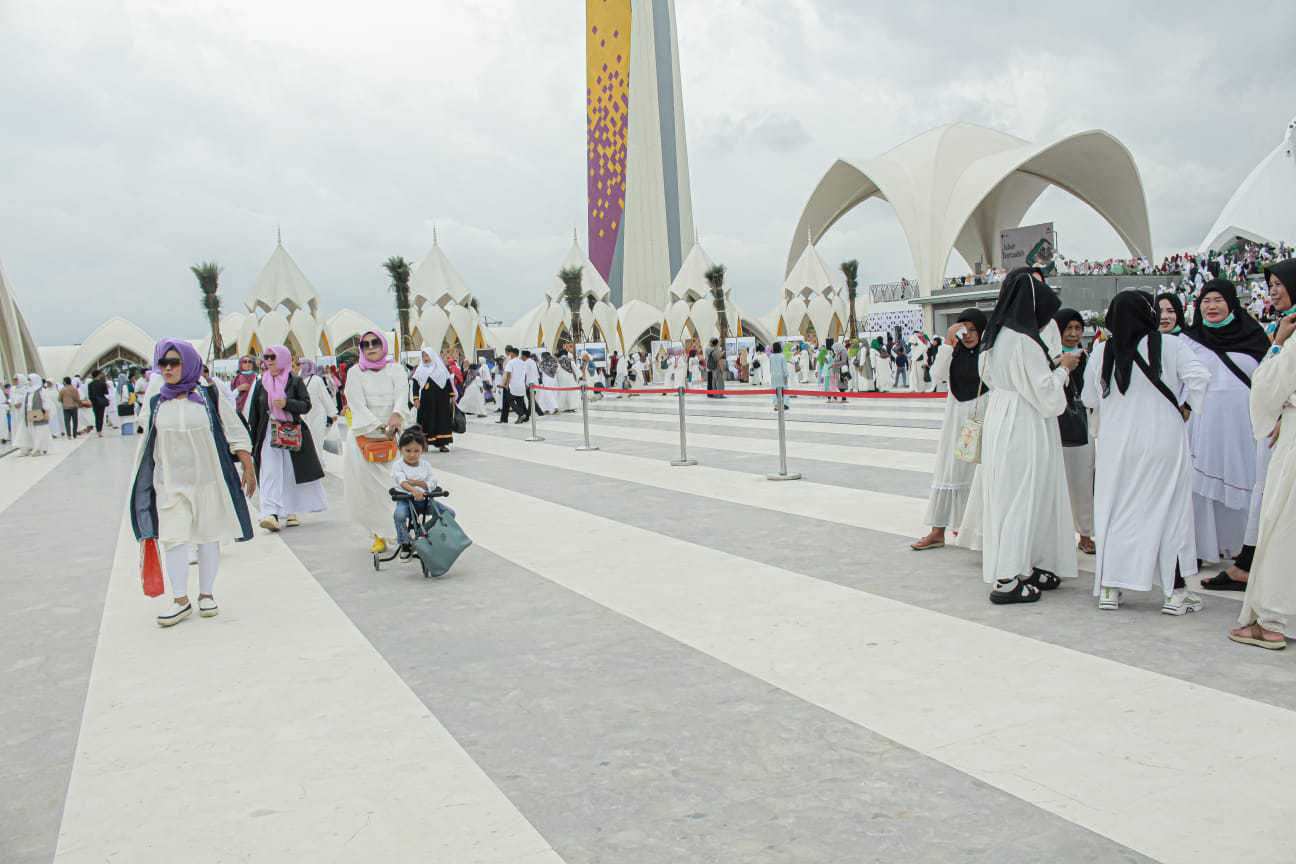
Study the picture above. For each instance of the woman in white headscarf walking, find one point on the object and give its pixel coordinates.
(33, 436)
(434, 398)
(291, 480)
(323, 405)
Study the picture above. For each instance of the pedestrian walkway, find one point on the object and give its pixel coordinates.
(633, 663)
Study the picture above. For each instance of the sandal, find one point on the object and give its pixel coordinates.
(920, 546)
(1044, 580)
(1089, 548)
(1253, 634)
(1018, 591)
(1222, 582)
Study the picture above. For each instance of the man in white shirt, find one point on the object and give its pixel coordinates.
(513, 391)
(532, 378)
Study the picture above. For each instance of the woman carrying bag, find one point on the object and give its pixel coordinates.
(288, 465)
(1077, 442)
(186, 491)
(434, 399)
(377, 395)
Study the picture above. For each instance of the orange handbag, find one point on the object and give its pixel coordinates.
(376, 449)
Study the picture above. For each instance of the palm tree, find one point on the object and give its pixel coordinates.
(572, 291)
(208, 273)
(715, 278)
(851, 269)
(399, 270)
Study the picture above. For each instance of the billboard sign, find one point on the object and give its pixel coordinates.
(1029, 246)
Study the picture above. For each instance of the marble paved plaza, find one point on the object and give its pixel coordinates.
(634, 663)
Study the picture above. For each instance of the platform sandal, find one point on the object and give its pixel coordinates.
(1044, 580)
(1016, 591)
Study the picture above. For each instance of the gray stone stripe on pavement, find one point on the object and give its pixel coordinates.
(621, 744)
(59, 537)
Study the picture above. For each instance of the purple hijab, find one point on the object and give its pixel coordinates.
(190, 370)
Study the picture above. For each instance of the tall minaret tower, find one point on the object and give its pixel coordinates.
(640, 208)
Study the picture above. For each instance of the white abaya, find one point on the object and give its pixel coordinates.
(952, 479)
(1224, 457)
(278, 491)
(34, 440)
(547, 400)
(1022, 519)
(373, 396)
(323, 406)
(568, 400)
(1143, 519)
(1270, 596)
(473, 400)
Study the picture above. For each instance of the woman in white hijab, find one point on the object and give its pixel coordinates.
(473, 399)
(33, 438)
(434, 399)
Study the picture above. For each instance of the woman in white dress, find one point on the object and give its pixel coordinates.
(291, 481)
(547, 400)
(694, 367)
(1024, 515)
(568, 400)
(473, 400)
(186, 491)
(33, 439)
(956, 362)
(1269, 606)
(1077, 442)
(1143, 489)
(377, 394)
(1231, 344)
(1282, 289)
(323, 406)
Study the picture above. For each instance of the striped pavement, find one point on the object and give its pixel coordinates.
(634, 663)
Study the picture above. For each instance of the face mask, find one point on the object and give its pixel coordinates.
(1227, 321)
(1066, 350)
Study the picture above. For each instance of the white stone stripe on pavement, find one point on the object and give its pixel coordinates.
(871, 457)
(273, 732)
(1113, 748)
(21, 473)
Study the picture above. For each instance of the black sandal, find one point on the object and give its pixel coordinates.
(1020, 591)
(1044, 580)
(1221, 581)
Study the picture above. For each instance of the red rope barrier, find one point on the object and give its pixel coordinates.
(823, 394)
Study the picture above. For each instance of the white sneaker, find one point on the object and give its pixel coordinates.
(1181, 603)
(207, 607)
(270, 523)
(174, 615)
(1109, 599)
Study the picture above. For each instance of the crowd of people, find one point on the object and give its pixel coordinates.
(1159, 445)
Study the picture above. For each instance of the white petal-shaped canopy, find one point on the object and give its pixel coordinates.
(690, 282)
(957, 186)
(677, 321)
(592, 282)
(116, 338)
(1263, 208)
(435, 280)
(636, 320)
(18, 351)
(282, 283)
(346, 325)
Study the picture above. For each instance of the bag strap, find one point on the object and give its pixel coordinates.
(1233, 367)
(1156, 380)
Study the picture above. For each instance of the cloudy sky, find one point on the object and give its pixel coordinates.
(141, 136)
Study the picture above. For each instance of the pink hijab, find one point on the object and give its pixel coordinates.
(276, 386)
(365, 362)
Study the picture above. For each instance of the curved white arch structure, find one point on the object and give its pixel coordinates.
(117, 336)
(1261, 209)
(18, 351)
(957, 186)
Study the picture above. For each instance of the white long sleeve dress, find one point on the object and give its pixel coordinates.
(1224, 457)
(1143, 518)
(193, 500)
(323, 406)
(1019, 512)
(952, 479)
(1270, 596)
(373, 396)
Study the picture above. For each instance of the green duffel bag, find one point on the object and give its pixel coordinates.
(443, 544)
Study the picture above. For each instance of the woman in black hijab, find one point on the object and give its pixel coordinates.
(1143, 508)
(1073, 423)
(1231, 344)
(1018, 512)
(956, 359)
(1171, 313)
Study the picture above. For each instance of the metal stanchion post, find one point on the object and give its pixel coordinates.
(684, 459)
(585, 418)
(782, 432)
(531, 405)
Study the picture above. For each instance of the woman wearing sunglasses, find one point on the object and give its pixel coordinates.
(288, 466)
(186, 490)
(378, 396)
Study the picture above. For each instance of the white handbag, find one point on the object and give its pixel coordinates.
(968, 446)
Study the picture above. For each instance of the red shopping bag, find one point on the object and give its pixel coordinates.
(151, 569)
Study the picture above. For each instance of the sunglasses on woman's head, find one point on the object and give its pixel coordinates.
(170, 362)
(370, 343)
